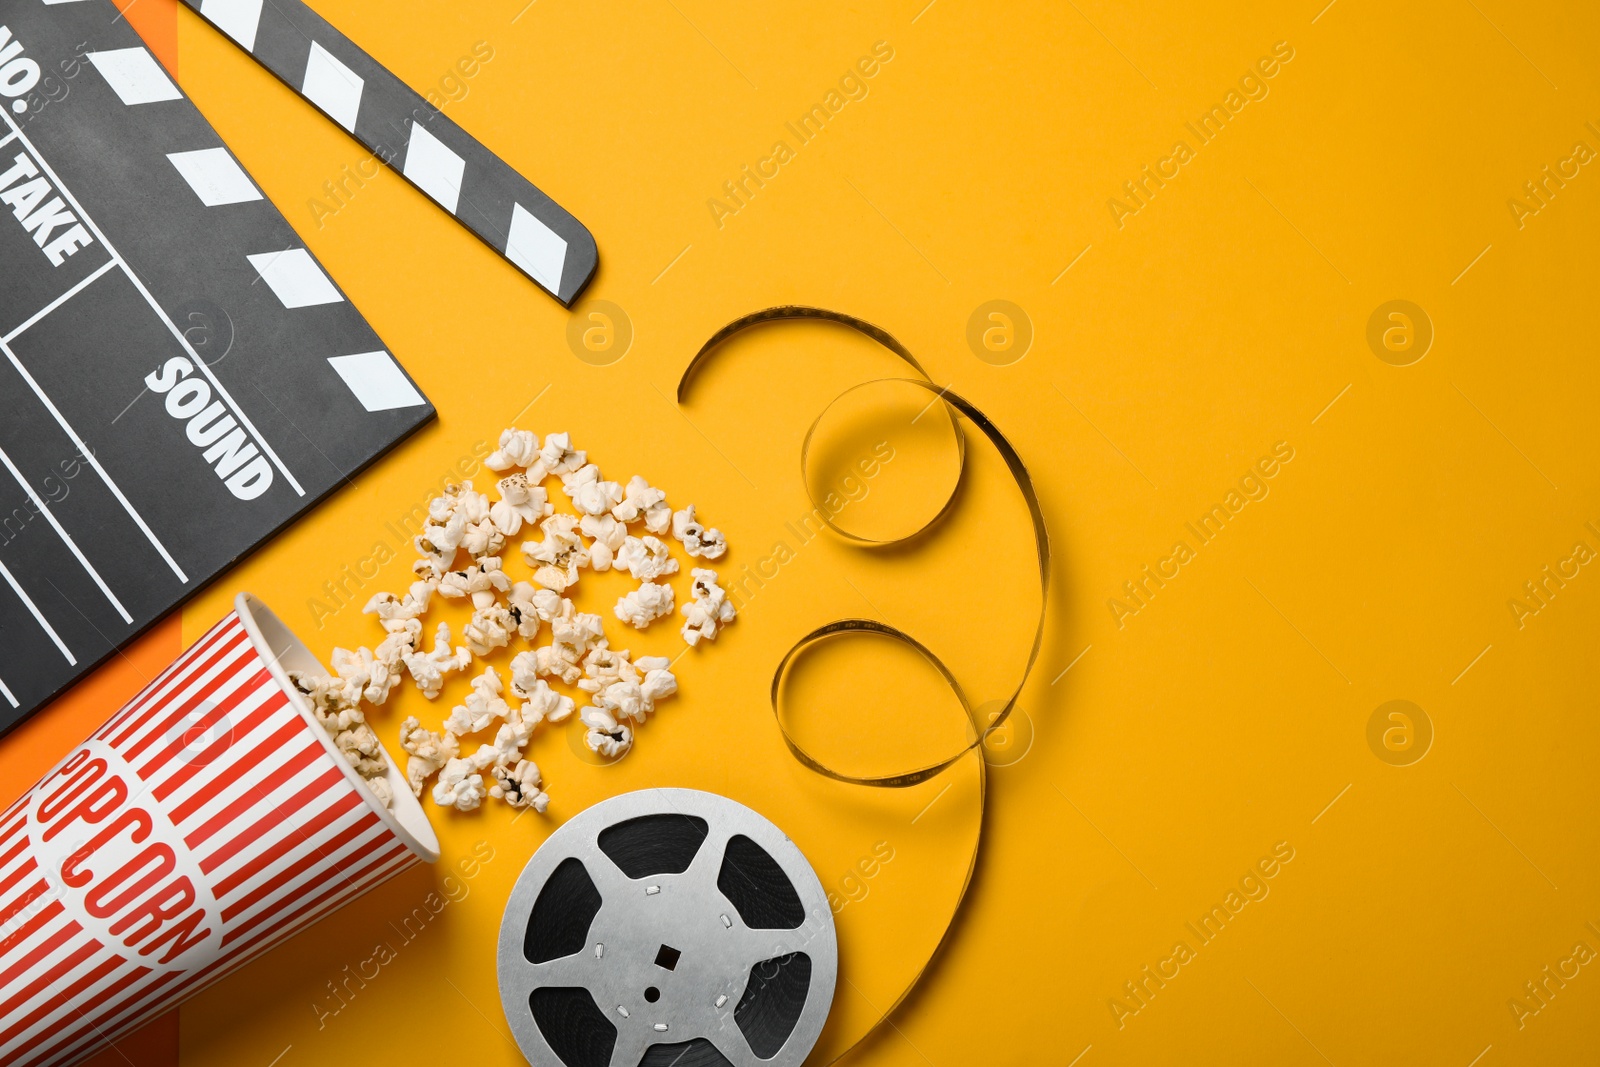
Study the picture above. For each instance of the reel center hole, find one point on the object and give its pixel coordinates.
(667, 959)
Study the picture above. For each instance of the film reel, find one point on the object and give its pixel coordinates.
(667, 927)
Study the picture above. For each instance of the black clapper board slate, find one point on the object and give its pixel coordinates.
(179, 377)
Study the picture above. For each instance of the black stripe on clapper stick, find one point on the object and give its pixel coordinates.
(505, 210)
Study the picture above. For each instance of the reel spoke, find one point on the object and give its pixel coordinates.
(575, 970)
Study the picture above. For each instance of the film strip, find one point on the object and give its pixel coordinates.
(957, 408)
(476, 187)
(954, 405)
(179, 377)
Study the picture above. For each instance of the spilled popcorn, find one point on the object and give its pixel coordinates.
(563, 644)
(334, 703)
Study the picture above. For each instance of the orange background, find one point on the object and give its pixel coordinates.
(1173, 347)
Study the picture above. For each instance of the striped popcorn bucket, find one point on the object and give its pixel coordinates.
(209, 819)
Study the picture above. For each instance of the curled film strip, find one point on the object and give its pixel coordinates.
(954, 405)
(478, 188)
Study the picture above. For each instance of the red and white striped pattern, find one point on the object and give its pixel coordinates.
(280, 833)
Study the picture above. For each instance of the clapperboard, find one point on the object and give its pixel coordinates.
(179, 377)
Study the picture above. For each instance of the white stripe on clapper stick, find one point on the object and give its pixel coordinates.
(37, 614)
(7, 694)
(161, 313)
(44, 509)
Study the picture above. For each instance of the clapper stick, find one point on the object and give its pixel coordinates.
(478, 188)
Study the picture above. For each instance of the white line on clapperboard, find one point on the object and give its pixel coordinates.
(62, 299)
(172, 327)
(28, 601)
(3, 690)
(83, 450)
(44, 509)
